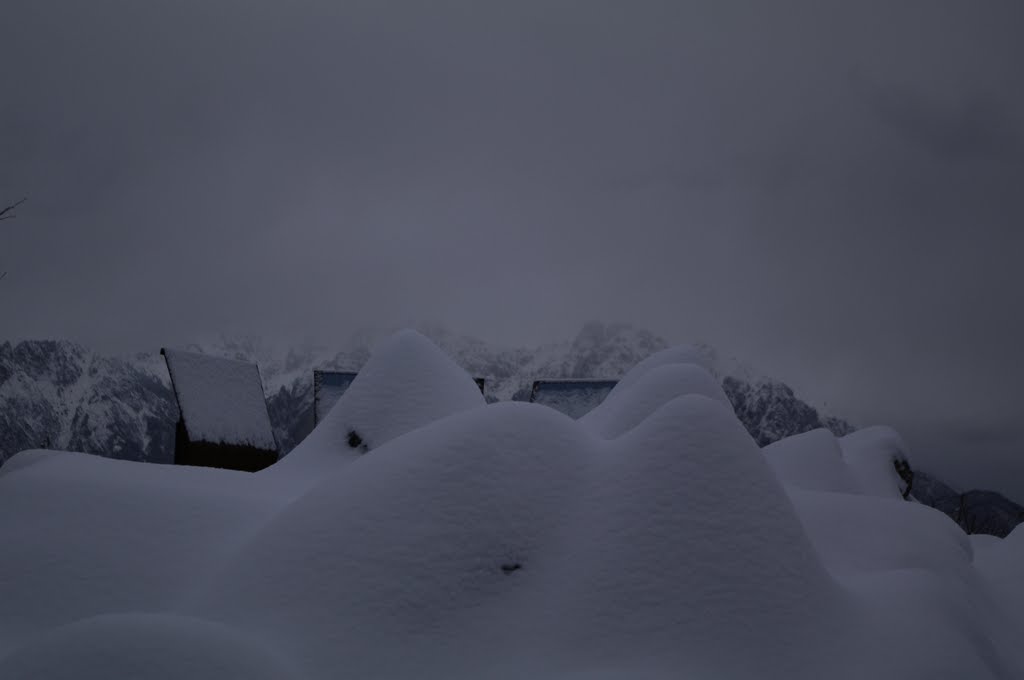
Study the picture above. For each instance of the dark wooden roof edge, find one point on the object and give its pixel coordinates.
(333, 371)
(576, 380)
(240, 445)
(174, 386)
(569, 381)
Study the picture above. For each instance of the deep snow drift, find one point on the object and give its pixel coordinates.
(421, 533)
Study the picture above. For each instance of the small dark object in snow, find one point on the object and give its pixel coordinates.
(354, 440)
(509, 568)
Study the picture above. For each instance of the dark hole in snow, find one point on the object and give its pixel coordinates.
(509, 568)
(354, 440)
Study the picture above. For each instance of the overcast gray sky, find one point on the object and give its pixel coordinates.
(831, 190)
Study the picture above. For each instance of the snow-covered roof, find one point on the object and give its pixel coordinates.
(328, 386)
(574, 398)
(221, 400)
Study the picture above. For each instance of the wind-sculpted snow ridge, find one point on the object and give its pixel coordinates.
(812, 461)
(867, 461)
(872, 454)
(629, 404)
(419, 533)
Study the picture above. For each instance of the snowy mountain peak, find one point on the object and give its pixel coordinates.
(57, 394)
(610, 347)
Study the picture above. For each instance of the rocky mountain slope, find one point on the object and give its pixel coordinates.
(56, 394)
(976, 511)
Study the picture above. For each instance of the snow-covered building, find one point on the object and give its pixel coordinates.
(223, 419)
(574, 398)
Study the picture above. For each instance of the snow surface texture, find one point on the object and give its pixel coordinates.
(221, 400)
(651, 539)
(812, 461)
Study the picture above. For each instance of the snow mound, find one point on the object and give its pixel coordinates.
(871, 454)
(982, 542)
(406, 384)
(673, 540)
(855, 534)
(1001, 565)
(681, 354)
(90, 535)
(511, 533)
(653, 540)
(811, 461)
(927, 611)
(625, 408)
(155, 647)
(439, 537)
(221, 400)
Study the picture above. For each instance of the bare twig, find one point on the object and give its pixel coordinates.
(8, 214)
(9, 209)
